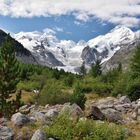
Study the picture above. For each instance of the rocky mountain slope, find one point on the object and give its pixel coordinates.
(69, 55)
(123, 55)
(22, 53)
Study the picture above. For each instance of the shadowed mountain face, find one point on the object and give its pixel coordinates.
(22, 53)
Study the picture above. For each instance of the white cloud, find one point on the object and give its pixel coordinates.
(118, 12)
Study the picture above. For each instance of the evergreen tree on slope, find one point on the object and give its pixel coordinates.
(9, 76)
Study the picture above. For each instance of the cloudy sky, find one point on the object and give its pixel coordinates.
(69, 19)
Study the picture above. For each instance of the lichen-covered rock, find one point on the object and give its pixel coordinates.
(74, 110)
(3, 121)
(124, 99)
(112, 115)
(38, 116)
(95, 113)
(6, 133)
(19, 119)
(123, 108)
(52, 113)
(39, 135)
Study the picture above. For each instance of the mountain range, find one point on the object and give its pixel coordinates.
(46, 49)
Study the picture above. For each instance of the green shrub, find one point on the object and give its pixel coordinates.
(102, 88)
(93, 85)
(78, 98)
(83, 86)
(133, 90)
(135, 63)
(112, 75)
(120, 86)
(64, 128)
(69, 80)
(28, 85)
(53, 93)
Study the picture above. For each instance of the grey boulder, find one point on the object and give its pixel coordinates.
(52, 113)
(95, 113)
(124, 99)
(19, 119)
(112, 115)
(6, 133)
(39, 135)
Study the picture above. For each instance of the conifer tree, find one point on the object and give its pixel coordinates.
(9, 75)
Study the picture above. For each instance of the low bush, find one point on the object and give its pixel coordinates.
(133, 90)
(69, 80)
(102, 88)
(120, 86)
(78, 98)
(64, 128)
(28, 85)
(53, 93)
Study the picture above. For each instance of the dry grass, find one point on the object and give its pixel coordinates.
(135, 128)
(92, 96)
(26, 130)
(25, 96)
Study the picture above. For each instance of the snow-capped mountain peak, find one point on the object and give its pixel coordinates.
(67, 54)
(106, 45)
